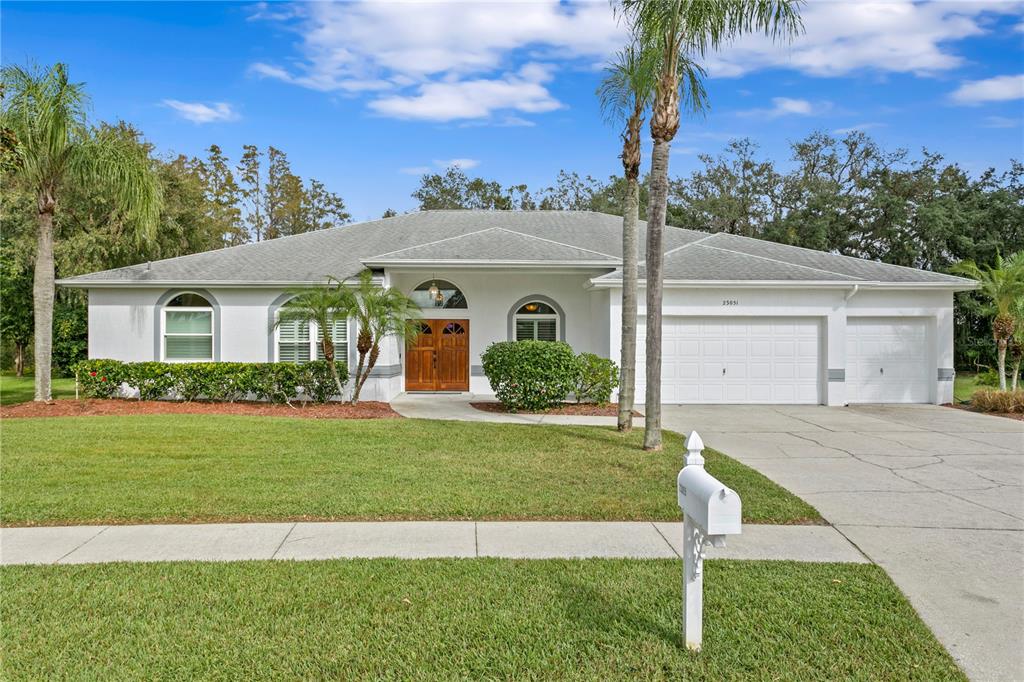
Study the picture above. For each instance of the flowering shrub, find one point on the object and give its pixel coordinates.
(598, 378)
(279, 382)
(531, 375)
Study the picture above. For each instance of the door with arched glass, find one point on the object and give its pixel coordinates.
(438, 358)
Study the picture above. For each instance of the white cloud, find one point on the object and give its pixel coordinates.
(198, 112)
(890, 36)
(1000, 122)
(415, 170)
(787, 106)
(997, 89)
(857, 127)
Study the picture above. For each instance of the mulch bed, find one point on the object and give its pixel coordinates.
(583, 409)
(1009, 415)
(94, 407)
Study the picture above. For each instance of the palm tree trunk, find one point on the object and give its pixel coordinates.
(364, 374)
(42, 298)
(1000, 357)
(655, 262)
(1016, 369)
(630, 266)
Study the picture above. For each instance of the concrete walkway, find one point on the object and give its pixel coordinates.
(407, 540)
(933, 495)
(456, 407)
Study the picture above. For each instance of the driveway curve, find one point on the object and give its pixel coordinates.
(934, 495)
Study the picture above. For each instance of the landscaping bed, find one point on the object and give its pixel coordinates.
(121, 407)
(1008, 415)
(460, 619)
(207, 468)
(579, 409)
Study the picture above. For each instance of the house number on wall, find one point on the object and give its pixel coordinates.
(730, 301)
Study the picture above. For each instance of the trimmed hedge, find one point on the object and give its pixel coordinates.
(537, 375)
(598, 378)
(277, 382)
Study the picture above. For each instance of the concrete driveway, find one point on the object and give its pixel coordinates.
(932, 494)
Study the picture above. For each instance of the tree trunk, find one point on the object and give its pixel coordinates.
(362, 376)
(19, 359)
(328, 347)
(1000, 357)
(1016, 370)
(630, 266)
(42, 298)
(658, 204)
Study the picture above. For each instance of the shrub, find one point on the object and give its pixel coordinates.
(100, 378)
(531, 375)
(279, 382)
(991, 400)
(987, 378)
(598, 378)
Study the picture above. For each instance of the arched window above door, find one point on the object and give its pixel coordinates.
(439, 293)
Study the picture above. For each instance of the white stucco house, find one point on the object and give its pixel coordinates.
(746, 321)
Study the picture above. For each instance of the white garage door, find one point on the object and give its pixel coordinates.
(887, 360)
(736, 360)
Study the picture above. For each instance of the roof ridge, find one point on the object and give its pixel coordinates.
(696, 241)
(552, 241)
(782, 262)
(436, 241)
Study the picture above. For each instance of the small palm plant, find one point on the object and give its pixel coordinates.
(321, 306)
(47, 147)
(379, 312)
(1001, 284)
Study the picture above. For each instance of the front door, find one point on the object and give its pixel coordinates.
(438, 360)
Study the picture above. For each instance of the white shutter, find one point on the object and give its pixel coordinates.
(339, 334)
(293, 341)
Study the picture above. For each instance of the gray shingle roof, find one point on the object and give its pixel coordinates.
(504, 237)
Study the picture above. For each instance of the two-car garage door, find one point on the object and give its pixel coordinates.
(737, 360)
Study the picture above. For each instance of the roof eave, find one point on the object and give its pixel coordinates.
(606, 283)
(491, 263)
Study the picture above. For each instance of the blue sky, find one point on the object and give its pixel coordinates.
(366, 96)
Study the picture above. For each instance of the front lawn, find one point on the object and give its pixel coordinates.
(15, 389)
(385, 619)
(190, 468)
(964, 386)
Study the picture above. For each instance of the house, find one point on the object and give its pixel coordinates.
(745, 321)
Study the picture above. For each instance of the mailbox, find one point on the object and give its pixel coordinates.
(715, 508)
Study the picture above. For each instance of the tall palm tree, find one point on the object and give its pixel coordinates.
(675, 29)
(625, 94)
(1001, 284)
(379, 312)
(48, 145)
(321, 306)
(1017, 311)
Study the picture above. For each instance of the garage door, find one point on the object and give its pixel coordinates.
(737, 360)
(887, 360)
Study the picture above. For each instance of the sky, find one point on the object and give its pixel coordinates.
(367, 96)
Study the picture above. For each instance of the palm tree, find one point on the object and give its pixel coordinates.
(379, 312)
(625, 94)
(48, 145)
(677, 29)
(321, 306)
(1001, 284)
(1017, 311)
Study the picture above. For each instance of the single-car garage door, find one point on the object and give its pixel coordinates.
(887, 360)
(736, 360)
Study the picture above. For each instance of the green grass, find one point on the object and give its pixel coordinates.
(964, 386)
(15, 390)
(489, 619)
(190, 468)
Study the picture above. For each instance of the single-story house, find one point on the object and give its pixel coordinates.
(745, 320)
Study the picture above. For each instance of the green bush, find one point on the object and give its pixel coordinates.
(279, 382)
(531, 375)
(989, 377)
(598, 378)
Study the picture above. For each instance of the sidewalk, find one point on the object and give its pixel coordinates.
(407, 540)
(456, 407)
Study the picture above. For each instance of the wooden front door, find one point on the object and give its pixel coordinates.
(438, 360)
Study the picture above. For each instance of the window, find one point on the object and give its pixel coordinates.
(536, 321)
(298, 341)
(437, 293)
(188, 328)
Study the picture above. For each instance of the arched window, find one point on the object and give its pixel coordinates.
(536, 321)
(301, 340)
(188, 328)
(437, 293)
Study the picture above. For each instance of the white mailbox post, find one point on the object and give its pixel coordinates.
(710, 512)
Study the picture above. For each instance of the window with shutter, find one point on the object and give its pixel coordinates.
(536, 321)
(339, 335)
(188, 328)
(293, 344)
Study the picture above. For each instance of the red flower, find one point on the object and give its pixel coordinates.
(92, 374)
(103, 378)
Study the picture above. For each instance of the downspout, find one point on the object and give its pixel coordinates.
(851, 293)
